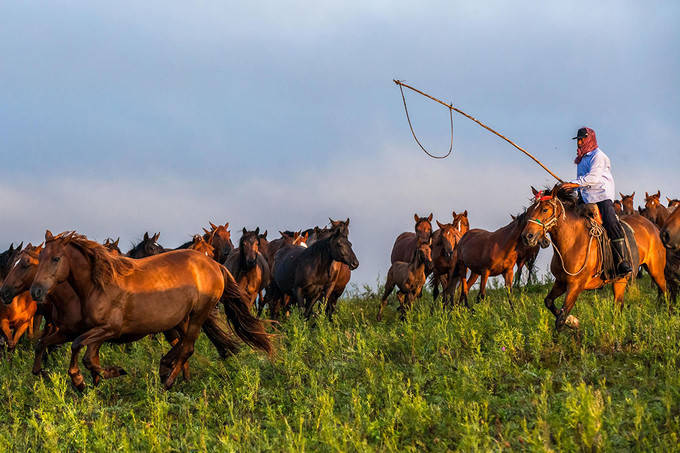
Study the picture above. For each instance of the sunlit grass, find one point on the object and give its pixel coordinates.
(441, 380)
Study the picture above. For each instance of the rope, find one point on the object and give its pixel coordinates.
(452, 108)
(403, 98)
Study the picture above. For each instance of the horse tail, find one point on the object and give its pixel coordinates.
(247, 327)
(216, 330)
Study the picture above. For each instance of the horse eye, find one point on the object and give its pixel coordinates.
(545, 209)
(56, 259)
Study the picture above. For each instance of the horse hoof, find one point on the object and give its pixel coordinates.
(572, 322)
(80, 386)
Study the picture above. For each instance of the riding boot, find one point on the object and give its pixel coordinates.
(623, 267)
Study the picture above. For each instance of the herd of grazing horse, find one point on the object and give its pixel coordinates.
(91, 293)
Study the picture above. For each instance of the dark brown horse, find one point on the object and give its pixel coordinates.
(406, 243)
(112, 246)
(618, 207)
(124, 300)
(148, 246)
(248, 266)
(627, 203)
(654, 210)
(672, 204)
(8, 259)
(576, 263)
(487, 254)
(670, 236)
(409, 278)
(443, 250)
(305, 273)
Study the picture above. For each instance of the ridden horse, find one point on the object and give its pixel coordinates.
(444, 242)
(406, 243)
(248, 266)
(576, 263)
(487, 254)
(654, 210)
(409, 277)
(627, 203)
(305, 273)
(147, 247)
(112, 246)
(124, 300)
(670, 236)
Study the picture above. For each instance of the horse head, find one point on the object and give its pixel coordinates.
(341, 250)
(21, 274)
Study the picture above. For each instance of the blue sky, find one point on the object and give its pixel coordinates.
(117, 118)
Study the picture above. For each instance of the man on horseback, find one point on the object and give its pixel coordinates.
(596, 185)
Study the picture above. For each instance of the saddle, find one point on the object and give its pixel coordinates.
(607, 268)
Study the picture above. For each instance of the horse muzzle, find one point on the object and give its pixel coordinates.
(530, 239)
(353, 264)
(6, 295)
(544, 242)
(38, 293)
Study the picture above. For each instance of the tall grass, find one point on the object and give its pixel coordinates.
(441, 380)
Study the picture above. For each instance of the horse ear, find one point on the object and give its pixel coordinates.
(429, 218)
(633, 195)
(244, 230)
(306, 236)
(439, 224)
(264, 235)
(146, 236)
(669, 200)
(646, 195)
(226, 225)
(347, 221)
(658, 194)
(622, 195)
(48, 235)
(513, 217)
(156, 236)
(117, 241)
(20, 246)
(415, 217)
(205, 230)
(534, 191)
(213, 226)
(465, 213)
(257, 231)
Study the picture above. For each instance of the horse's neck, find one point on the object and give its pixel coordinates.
(321, 251)
(508, 236)
(568, 232)
(80, 275)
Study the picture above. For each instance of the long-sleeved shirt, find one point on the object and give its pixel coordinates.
(594, 172)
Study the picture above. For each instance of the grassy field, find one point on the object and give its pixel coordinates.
(491, 380)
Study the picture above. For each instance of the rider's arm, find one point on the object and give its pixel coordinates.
(594, 176)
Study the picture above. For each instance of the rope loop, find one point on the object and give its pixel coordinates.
(403, 98)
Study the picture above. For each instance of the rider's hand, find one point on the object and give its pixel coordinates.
(568, 186)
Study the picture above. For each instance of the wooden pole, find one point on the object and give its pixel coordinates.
(450, 106)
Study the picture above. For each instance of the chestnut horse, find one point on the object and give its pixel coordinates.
(654, 210)
(461, 221)
(444, 242)
(199, 244)
(248, 266)
(124, 300)
(627, 203)
(672, 204)
(576, 263)
(18, 312)
(487, 254)
(670, 236)
(112, 246)
(618, 208)
(409, 278)
(406, 243)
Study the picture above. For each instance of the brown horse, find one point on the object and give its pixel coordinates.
(248, 266)
(461, 221)
(618, 208)
(406, 243)
(219, 237)
(444, 242)
(17, 316)
(124, 300)
(409, 277)
(627, 202)
(487, 254)
(670, 236)
(8, 259)
(576, 263)
(654, 210)
(112, 246)
(202, 246)
(672, 204)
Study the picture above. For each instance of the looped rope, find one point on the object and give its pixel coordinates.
(403, 98)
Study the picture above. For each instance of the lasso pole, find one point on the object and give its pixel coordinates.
(451, 107)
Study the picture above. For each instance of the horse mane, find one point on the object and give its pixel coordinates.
(105, 266)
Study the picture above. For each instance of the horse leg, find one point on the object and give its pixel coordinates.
(6, 331)
(569, 302)
(91, 362)
(185, 350)
(402, 305)
(435, 287)
(41, 346)
(36, 322)
(619, 289)
(559, 287)
(518, 275)
(18, 332)
(508, 286)
(389, 286)
(167, 361)
(464, 290)
(482, 286)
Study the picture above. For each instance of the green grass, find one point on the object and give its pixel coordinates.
(489, 380)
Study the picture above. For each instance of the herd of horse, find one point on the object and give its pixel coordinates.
(90, 293)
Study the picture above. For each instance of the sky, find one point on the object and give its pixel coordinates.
(118, 118)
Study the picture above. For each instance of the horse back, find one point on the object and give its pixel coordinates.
(404, 247)
(285, 265)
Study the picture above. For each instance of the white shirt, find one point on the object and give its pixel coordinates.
(595, 173)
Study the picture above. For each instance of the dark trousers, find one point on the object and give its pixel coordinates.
(609, 219)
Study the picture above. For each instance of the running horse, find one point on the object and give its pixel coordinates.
(654, 210)
(444, 242)
(406, 243)
(670, 236)
(248, 266)
(577, 263)
(124, 300)
(17, 313)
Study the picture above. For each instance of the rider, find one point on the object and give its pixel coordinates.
(594, 176)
